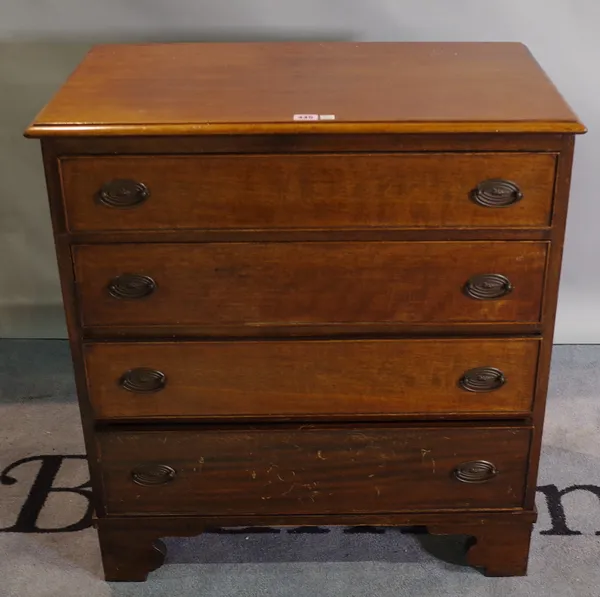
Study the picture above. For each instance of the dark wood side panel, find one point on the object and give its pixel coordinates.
(299, 284)
(430, 190)
(311, 470)
(309, 379)
(71, 308)
(563, 186)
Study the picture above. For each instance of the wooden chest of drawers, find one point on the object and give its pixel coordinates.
(310, 284)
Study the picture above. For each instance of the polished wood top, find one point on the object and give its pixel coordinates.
(204, 88)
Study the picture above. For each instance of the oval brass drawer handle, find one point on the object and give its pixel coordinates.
(485, 287)
(123, 193)
(496, 192)
(152, 474)
(131, 286)
(482, 379)
(475, 471)
(143, 380)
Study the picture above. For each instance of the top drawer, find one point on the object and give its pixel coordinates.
(304, 191)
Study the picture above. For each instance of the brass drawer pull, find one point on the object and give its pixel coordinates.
(143, 380)
(475, 471)
(123, 193)
(131, 286)
(484, 287)
(152, 474)
(482, 379)
(496, 192)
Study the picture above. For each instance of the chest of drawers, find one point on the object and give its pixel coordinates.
(310, 284)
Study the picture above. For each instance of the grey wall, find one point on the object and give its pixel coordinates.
(41, 41)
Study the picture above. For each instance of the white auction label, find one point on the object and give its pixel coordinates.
(306, 117)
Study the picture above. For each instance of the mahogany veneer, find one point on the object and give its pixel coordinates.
(310, 284)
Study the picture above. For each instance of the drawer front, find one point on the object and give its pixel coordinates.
(353, 191)
(303, 284)
(312, 470)
(310, 379)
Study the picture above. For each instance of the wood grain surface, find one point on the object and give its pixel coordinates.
(355, 191)
(167, 89)
(313, 470)
(309, 310)
(295, 284)
(309, 379)
(499, 542)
